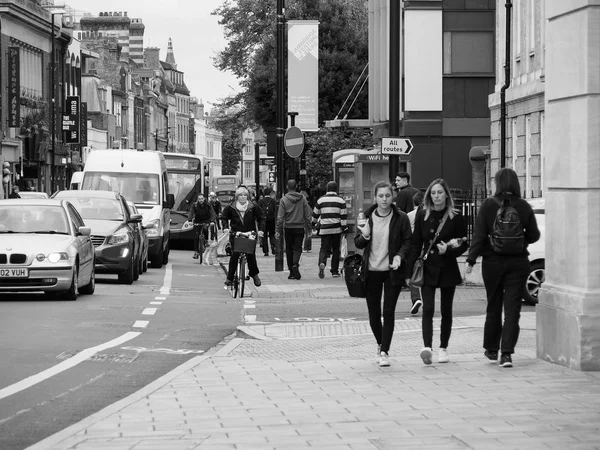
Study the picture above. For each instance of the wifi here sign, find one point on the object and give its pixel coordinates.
(396, 146)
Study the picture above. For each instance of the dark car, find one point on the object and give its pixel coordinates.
(114, 231)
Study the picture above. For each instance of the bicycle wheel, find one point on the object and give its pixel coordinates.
(242, 274)
(235, 287)
(201, 245)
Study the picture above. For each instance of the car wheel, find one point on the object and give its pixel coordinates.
(89, 288)
(145, 263)
(127, 277)
(73, 291)
(166, 254)
(136, 269)
(537, 276)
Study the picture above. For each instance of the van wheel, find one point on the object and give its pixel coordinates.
(157, 260)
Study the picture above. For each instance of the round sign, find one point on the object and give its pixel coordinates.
(293, 141)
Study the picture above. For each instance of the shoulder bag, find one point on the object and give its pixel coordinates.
(418, 275)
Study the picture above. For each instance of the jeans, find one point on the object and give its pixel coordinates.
(330, 245)
(415, 294)
(446, 300)
(504, 281)
(293, 246)
(376, 283)
(269, 237)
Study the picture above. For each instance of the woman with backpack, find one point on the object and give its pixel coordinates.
(440, 233)
(504, 227)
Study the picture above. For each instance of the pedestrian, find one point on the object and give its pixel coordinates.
(307, 243)
(201, 213)
(441, 229)
(293, 218)
(268, 204)
(415, 292)
(243, 216)
(504, 275)
(216, 206)
(14, 193)
(404, 199)
(385, 239)
(330, 215)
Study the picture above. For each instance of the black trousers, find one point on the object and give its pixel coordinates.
(293, 246)
(330, 245)
(233, 261)
(200, 229)
(446, 300)
(269, 237)
(376, 283)
(504, 281)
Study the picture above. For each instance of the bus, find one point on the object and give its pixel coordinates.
(185, 174)
(225, 187)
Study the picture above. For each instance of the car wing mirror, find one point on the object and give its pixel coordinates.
(84, 231)
(135, 218)
(170, 201)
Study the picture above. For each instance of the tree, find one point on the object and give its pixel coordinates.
(232, 125)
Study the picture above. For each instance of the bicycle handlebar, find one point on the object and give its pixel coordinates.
(246, 234)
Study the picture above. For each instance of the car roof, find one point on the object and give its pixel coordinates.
(33, 201)
(87, 194)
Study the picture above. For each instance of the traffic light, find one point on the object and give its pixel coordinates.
(271, 177)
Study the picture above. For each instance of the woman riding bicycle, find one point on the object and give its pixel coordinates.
(201, 213)
(243, 216)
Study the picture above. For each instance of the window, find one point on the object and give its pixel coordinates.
(517, 28)
(528, 187)
(248, 169)
(515, 138)
(532, 29)
(468, 52)
(542, 153)
(30, 71)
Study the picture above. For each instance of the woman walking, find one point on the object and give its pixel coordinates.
(504, 272)
(440, 231)
(243, 215)
(385, 238)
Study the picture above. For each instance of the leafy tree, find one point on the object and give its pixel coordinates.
(231, 123)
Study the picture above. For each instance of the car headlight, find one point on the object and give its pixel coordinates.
(187, 225)
(119, 238)
(153, 227)
(59, 256)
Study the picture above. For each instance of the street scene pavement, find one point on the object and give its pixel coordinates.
(318, 385)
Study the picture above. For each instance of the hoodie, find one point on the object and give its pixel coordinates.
(293, 212)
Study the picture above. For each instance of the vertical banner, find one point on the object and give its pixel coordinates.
(71, 120)
(14, 88)
(303, 73)
(83, 125)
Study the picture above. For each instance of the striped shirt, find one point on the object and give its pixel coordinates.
(330, 212)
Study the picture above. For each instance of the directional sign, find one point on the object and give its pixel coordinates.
(396, 146)
(293, 141)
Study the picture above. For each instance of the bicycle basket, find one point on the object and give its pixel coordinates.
(244, 245)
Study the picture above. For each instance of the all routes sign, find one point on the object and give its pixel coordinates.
(396, 146)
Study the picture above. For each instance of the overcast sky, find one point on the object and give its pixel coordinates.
(195, 33)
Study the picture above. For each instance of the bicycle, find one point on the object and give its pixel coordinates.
(201, 238)
(243, 243)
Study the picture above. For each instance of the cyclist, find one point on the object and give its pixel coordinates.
(216, 205)
(201, 213)
(243, 215)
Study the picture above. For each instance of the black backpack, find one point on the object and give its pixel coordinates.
(269, 208)
(507, 237)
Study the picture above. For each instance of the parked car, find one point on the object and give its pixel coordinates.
(145, 242)
(32, 194)
(537, 255)
(45, 247)
(114, 231)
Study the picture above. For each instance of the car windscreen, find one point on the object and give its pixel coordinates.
(98, 208)
(139, 188)
(50, 219)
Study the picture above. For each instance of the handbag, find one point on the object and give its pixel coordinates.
(417, 278)
(352, 270)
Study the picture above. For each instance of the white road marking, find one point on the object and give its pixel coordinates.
(166, 287)
(160, 298)
(141, 323)
(163, 350)
(149, 311)
(249, 306)
(156, 303)
(66, 364)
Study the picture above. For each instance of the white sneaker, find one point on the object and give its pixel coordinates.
(383, 360)
(426, 355)
(443, 356)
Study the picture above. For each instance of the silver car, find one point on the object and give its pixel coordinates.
(45, 246)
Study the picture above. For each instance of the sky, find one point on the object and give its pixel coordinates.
(195, 33)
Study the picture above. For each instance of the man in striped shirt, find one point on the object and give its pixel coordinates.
(329, 215)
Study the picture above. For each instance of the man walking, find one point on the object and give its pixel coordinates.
(293, 217)
(330, 214)
(404, 199)
(269, 206)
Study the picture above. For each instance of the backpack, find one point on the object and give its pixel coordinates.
(507, 237)
(269, 209)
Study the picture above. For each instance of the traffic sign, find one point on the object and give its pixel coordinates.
(396, 146)
(293, 141)
(271, 177)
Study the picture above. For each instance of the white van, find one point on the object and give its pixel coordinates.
(75, 183)
(141, 177)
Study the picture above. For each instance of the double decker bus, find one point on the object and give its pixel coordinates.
(225, 187)
(185, 174)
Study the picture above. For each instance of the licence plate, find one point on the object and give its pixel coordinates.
(14, 273)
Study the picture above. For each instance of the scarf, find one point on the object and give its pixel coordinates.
(241, 208)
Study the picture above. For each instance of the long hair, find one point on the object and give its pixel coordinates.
(428, 202)
(507, 182)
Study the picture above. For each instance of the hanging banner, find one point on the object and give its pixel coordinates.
(303, 73)
(14, 88)
(71, 120)
(83, 125)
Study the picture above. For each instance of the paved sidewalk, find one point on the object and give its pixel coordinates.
(317, 385)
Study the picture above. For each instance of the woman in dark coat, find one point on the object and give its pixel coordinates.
(243, 215)
(441, 268)
(385, 239)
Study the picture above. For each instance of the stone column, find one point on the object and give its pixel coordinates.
(568, 315)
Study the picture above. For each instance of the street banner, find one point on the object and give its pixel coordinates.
(303, 73)
(14, 88)
(71, 120)
(83, 125)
